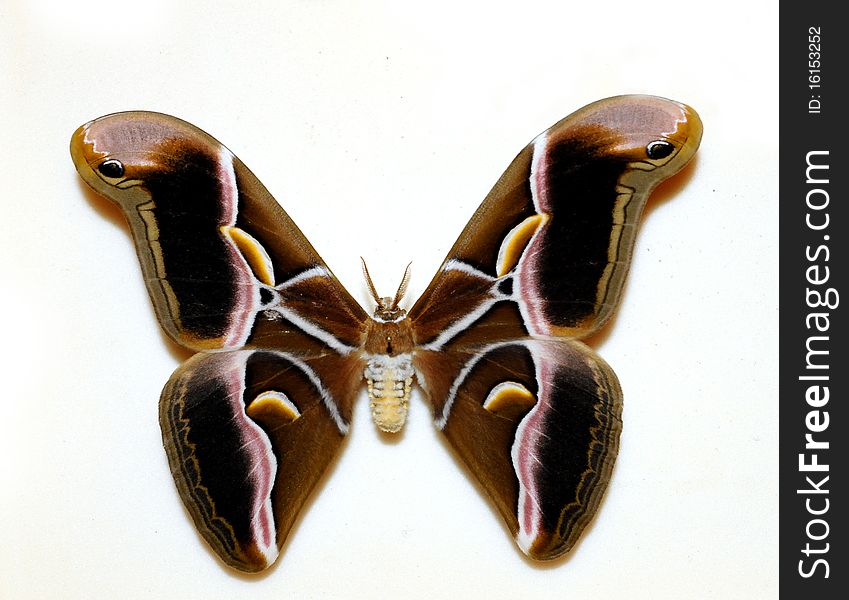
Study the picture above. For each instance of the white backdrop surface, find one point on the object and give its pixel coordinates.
(380, 126)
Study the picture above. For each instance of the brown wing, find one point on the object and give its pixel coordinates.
(533, 412)
(225, 266)
(248, 435)
(538, 423)
(555, 235)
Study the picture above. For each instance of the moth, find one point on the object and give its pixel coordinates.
(252, 420)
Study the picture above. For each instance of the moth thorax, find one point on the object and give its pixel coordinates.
(390, 379)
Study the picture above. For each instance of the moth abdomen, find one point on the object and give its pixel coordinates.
(390, 379)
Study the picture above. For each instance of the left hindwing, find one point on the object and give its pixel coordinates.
(248, 435)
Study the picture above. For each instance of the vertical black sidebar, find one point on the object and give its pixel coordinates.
(814, 363)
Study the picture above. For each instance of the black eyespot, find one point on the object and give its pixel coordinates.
(111, 168)
(266, 296)
(505, 286)
(659, 149)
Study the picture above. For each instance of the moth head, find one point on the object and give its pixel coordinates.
(387, 309)
(120, 154)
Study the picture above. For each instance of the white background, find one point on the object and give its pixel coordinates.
(380, 127)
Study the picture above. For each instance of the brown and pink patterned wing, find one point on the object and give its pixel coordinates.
(224, 264)
(252, 421)
(248, 435)
(532, 411)
(537, 421)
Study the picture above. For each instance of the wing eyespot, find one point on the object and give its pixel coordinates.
(112, 168)
(659, 149)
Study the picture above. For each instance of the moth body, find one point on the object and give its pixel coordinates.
(390, 379)
(389, 345)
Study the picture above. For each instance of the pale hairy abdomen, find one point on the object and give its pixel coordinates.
(390, 379)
